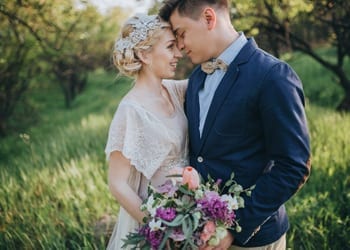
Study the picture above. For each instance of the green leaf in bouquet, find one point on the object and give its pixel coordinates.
(135, 240)
(188, 202)
(184, 189)
(179, 204)
(229, 183)
(175, 222)
(236, 189)
(166, 237)
(187, 227)
(240, 201)
(196, 217)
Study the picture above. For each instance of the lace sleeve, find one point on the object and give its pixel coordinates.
(138, 138)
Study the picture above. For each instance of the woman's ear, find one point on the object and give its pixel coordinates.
(210, 17)
(143, 56)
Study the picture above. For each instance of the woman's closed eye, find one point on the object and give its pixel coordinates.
(171, 46)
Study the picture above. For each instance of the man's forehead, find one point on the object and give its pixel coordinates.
(177, 21)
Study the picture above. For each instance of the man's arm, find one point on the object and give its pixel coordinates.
(281, 108)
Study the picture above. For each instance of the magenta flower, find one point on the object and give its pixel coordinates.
(215, 208)
(167, 214)
(154, 238)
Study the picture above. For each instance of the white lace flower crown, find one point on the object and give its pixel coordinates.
(142, 24)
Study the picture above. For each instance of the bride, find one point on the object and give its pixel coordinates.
(147, 137)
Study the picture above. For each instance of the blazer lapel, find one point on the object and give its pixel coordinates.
(220, 95)
(193, 108)
(225, 86)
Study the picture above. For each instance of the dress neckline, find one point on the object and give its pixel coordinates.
(133, 101)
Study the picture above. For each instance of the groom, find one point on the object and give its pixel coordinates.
(247, 117)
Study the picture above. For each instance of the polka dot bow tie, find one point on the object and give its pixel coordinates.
(210, 66)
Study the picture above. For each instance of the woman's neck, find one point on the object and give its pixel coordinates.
(149, 82)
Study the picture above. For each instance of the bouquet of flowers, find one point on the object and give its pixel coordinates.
(186, 214)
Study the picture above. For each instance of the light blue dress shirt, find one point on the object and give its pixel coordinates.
(212, 81)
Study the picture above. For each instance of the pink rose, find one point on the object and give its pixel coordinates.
(208, 231)
(190, 176)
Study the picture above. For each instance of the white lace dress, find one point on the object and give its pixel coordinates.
(153, 144)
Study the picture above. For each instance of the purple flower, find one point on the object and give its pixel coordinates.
(154, 238)
(167, 214)
(215, 208)
(177, 234)
(167, 188)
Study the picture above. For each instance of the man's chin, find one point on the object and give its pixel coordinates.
(194, 60)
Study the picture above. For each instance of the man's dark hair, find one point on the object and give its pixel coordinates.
(189, 8)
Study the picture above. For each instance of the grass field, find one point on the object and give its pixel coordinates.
(53, 176)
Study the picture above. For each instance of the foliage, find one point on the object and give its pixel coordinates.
(16, 68)
(316, 80)
(63, 39)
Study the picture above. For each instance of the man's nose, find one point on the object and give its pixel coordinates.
(178, 53)
(180, 44)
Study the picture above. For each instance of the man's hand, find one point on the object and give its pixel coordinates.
(224, 244)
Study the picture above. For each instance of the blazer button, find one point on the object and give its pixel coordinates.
(200, 159)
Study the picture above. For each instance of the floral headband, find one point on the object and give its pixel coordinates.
(142, 24)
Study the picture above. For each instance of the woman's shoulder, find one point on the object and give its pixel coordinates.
(177, 88)
(128, 107)
(172, 83)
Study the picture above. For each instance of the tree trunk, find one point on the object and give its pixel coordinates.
(345, 83)
(345, 103)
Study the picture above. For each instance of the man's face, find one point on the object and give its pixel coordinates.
(192, 36)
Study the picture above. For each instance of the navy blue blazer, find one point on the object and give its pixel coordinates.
(256, 127)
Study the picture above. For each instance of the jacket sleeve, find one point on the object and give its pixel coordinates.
(286, 138)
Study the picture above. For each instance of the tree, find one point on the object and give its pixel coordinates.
(16, 68)
(297, 25)
(62, 39)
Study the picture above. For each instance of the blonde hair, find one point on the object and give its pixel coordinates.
(138, 34)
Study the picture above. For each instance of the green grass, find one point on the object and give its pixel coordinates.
(54, 175)
(319, 212)
(53, 180)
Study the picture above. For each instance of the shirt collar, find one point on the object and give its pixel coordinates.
(230, 53)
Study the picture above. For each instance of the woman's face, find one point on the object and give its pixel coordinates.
(165, 55)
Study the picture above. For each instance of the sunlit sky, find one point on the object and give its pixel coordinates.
(134, 5)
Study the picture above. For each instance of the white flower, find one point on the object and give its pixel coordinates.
(155, 225)
(231, 201)
(150, 206)
(220, 232)
(198, 194)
